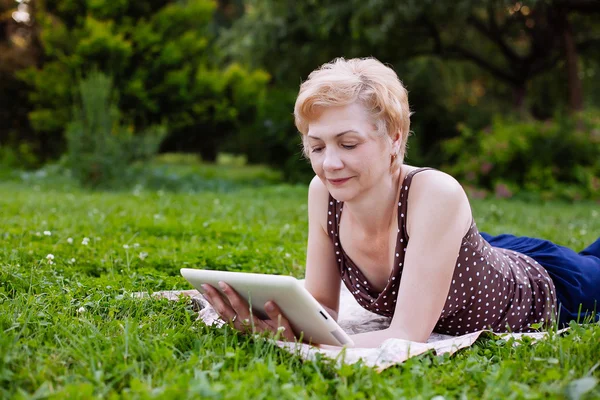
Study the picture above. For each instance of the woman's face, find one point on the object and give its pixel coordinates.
(346, 152)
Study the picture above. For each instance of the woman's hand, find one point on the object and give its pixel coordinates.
(235, 310)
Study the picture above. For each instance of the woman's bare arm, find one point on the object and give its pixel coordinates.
(322, 276)
(439, 217)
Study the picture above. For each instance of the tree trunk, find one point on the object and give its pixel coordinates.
(519, 92)
(572, 64)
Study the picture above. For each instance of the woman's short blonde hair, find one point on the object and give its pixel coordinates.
(365, 80)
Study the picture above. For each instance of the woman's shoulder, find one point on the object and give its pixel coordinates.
(434, 192)
(433, 181)
(317, 190)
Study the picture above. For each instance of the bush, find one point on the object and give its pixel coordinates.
(161, 55)
(99, 148)
(273, 138)
(18, 156)
(558, 158)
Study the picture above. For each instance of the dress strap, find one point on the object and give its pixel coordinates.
(403, 198)
(333, 217)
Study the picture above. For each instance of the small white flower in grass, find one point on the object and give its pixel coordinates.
(136, 245)
(281, 329)
(81, 310)
(125, 246)
(50, 257)
(47, 233)
(85, 241)
(143, 255)
(137, 190)
(70, 240)
(72, 261)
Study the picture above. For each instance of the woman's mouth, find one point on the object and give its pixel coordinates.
(338, 182)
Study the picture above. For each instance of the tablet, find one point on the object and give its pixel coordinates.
(306, 316)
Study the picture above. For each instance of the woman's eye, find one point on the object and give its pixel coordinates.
(348, 146)
(316, 149)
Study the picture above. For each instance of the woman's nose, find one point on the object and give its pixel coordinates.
(332, 161)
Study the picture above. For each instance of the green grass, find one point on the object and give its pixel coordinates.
(71, 329)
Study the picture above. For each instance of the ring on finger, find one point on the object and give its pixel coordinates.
(233, 319)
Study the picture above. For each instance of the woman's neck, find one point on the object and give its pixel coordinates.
(374, 212)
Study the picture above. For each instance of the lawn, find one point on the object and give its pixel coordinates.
(70, 259)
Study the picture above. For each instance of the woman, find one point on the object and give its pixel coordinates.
(403, 239)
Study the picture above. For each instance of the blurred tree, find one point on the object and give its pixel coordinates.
(290, 39)
(18, 50)
(161, 56)
(512, 41)
(227, 12)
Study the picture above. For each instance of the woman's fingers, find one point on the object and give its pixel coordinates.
(237, 302)
(220, 304)
(278, 322)
(244, 321)
(234, 308)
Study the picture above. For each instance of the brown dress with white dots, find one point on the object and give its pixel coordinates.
(491, 288)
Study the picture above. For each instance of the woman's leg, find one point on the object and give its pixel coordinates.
(576, 276)
(592, 250)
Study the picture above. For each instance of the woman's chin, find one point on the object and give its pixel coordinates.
(341, 194)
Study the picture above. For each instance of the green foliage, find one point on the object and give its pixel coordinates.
(102, 44)
(192, 65)
(161, 57)
(15, 132)
(19, 156)
(556, 158)
(174, 173)
(512, 41)
(100, 149)
(72, 329)
(167, 172)
(51, 97)
(273, 139)
(290, 41)
(462, 61)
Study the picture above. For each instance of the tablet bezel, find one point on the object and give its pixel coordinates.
(307, 317)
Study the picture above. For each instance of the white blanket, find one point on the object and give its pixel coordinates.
(355, 319)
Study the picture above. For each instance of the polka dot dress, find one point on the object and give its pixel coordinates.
(491, 288)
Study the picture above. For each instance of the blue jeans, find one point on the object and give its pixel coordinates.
(576, 276)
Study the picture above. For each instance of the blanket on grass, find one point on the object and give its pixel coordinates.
(355, 319)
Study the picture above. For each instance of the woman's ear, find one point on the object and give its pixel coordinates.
(396, 143)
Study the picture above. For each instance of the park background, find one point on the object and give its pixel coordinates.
(505, 94)
(137, 137)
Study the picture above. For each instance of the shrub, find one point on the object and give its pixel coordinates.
(558, 158)
(273, 138)
(161, 55)
(18, 156)
(99, 148)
